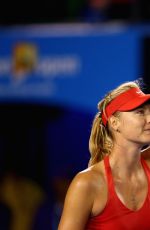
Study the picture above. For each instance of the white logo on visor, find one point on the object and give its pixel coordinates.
(139, 92)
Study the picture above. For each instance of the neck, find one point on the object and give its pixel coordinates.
(125, 162)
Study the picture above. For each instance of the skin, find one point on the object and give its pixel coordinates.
(87, 194)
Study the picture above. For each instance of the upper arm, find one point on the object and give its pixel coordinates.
(78, 204)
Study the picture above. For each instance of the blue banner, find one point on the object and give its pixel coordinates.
(73, 65)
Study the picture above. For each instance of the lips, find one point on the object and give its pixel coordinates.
(147, 130)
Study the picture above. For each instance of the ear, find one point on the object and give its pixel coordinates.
(114, 123)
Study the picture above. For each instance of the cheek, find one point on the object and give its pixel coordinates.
(130, 126)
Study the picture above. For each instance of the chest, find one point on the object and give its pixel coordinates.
(132, 193)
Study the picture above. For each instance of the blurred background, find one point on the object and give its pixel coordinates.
(57, 60)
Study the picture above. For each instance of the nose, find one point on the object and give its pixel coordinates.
(148, 118)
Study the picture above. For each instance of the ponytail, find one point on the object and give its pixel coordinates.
(99, 143)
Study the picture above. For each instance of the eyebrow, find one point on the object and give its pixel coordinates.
(141, 107)
(146, 104)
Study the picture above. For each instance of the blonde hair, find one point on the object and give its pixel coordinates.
(101, 138)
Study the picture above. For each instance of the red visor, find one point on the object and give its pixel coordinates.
(126, 101)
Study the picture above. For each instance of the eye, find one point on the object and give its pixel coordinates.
(140, 111)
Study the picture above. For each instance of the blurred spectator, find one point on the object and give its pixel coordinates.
(102, 10)
(23, 198)
(95, 11)
(76, 11)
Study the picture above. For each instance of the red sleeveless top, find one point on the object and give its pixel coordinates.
(116, 216)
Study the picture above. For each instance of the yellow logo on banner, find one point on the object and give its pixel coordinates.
(24, 58)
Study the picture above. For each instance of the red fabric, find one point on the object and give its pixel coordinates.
(115, 215)
(128, 100)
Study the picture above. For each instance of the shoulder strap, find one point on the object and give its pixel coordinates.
(109, 175)
(143, 161)
(146, 168)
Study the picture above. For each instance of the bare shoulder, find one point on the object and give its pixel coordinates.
(91, 177)
(92, 183)
(146, 155)
(89, 184)
(84, 198)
